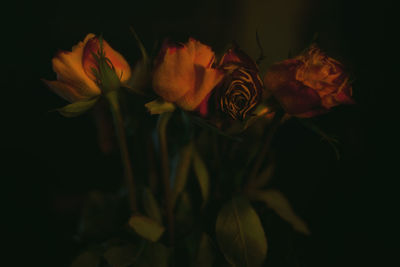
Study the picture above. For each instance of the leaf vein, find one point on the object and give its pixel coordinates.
(241, 232)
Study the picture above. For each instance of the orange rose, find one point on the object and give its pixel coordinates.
(309, 84)
(185, 75)
(76, 80)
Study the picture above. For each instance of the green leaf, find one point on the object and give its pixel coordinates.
(151, 206)
(205, 253)
(263, 178)
(154, 255)
(187, 247)
(159, 106)
(182, 171)
(87, 259)
(200, 169)
(141, 73)
(123, 256)
(276, 201)
(140, 78)
(240, 234)
(146, 227)
(184, 216)
(140, 44)
(77, 108)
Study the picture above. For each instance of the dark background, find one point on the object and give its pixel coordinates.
(51, 162)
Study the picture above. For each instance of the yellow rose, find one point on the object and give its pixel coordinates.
(75, 78)
(185, 75)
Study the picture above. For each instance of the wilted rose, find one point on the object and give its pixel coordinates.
(309, 84)
(242, 87)
(184, 74)
(76, 79)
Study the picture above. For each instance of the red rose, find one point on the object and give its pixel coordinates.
(242, 87)
(309, 84)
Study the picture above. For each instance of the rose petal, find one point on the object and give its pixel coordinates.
(341, 97)
(206, 81)
(236, 56)
(344, 95)
(66, 91)
(202, 109)
(121, 66)
(68, 66)
(203, 55)
(280, 73)
(166, 45)
(295, 97)
(175, 74)
(240, 93)
(312, 113)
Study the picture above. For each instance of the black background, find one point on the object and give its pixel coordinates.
(350, 204)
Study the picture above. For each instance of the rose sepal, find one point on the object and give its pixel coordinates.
(140, 79)
(159, 106)
(77, 108)
(106, 76)
(141, 74)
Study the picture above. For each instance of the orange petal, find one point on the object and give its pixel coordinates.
(66, 91)
(203, 55)
(121, 66)
(68, 66)
(206, 81)
(175, 74)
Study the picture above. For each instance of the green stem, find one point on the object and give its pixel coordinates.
(268, 136)
(153, 176)
(120, 130)
(162, 134)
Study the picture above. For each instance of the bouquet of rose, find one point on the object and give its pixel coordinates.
(208, 122)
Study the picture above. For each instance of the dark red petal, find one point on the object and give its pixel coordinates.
(202, 109)
(166, 45)
(344, 96)
(312, 113)
(281, 73)
(237, 56)
(296, 98)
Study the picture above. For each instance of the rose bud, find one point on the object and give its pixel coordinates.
(76, 70)
(242, 87)
(184, 74)
(309, 84)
